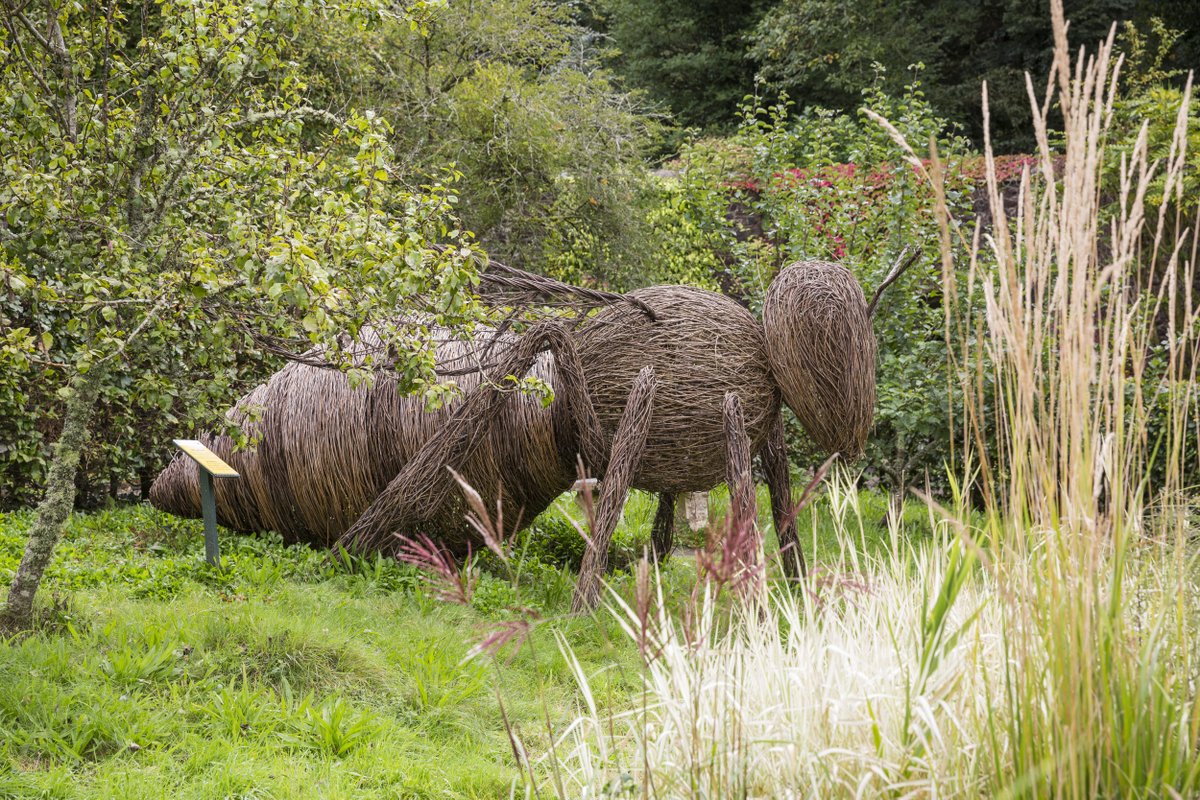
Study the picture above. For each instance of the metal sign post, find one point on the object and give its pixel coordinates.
(209, 466)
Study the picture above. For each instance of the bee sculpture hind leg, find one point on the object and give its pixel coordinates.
(662, 535)
(775, 465)
(629, 443)
(424, 486)
(737, 462)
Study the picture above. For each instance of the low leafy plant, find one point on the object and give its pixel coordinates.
(69, 725)
(553, 539)
(441, 679)
(137, 660)
(240, 708)
(332, 727)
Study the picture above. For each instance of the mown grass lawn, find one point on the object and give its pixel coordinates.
(290, 673)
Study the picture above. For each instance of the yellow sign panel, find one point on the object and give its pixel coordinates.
(206, 458)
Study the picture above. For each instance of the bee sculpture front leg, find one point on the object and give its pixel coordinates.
(779, 484)
(628, 445)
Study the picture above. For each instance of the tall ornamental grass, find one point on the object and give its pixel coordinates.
(1042, 644)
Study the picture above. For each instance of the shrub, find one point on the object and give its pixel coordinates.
(553, 539)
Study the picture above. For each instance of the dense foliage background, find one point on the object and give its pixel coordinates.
(617, 144)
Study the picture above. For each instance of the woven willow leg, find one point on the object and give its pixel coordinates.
(424, 485)
(629, 443)
(775, 465)
(737, 462)
(663, 533)
(578, 431)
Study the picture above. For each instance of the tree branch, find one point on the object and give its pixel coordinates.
(151, 315)
(898, 269)
(62, 57)
(28, 25)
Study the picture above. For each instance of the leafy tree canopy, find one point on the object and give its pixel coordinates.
(173, 209)
(512, 93)
(825, 51)
(690, 57)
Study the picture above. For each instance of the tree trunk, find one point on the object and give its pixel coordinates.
(57, 503)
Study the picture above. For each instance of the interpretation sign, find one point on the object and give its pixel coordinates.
(210, 466)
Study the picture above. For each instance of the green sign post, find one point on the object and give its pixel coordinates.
(210, 466)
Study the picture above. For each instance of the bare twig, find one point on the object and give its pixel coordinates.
(151, 315)
(899, 268)
(505, 280)
(33, 31)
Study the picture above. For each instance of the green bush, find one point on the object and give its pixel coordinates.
(514, 95)
(553, 539)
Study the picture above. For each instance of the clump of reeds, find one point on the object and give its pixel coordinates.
(1099, 699)
(867, 680)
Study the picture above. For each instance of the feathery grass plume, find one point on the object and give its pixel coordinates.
(732, 556)
(643, 608)
(833, 586)
(1098, 619)
(585, 497)
(490, 528)
(500, 634)
(811, 492)
(438, 569)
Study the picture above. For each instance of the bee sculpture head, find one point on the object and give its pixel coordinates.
(822, 352)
